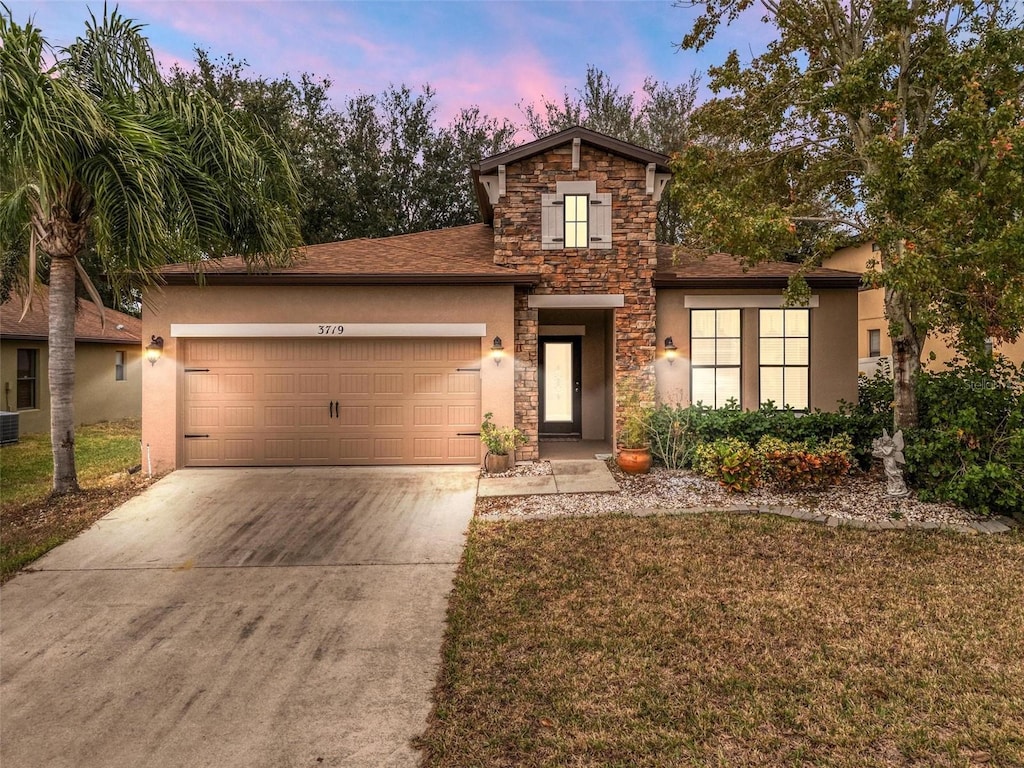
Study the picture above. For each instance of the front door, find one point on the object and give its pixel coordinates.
(560, 390)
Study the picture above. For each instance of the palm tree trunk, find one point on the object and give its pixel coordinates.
(62, 373)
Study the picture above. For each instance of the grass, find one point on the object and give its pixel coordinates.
(31, 521)
(730, 641)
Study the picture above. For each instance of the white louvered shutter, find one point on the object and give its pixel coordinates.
(552, 222)
(601, 221)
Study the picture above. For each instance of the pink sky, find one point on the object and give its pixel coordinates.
(494, 54)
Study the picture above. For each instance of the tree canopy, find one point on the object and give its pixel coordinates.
(379, 165)
(96, 148)
(899, 123)
(657, 118)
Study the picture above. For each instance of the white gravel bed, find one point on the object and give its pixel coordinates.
(523, 469)
(860, 497)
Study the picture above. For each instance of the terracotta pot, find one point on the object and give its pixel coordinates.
(497, 462)
(634, 461)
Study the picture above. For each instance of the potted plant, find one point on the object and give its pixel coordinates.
(501, 445)
(634, 454)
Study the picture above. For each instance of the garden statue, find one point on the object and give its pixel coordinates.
(890, 451)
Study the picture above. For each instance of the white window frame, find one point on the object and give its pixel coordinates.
(599, 216)
(570, 225)
(120, 370)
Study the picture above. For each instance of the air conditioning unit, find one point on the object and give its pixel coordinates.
(8, 427)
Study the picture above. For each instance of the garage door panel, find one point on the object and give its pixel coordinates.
(200, 352)
(239, 384)
(314, 416)
(353, 384)
(465, 449)
(428, 383)
(332, 401)
(238, 351)
(429, 352)
(389, 383)
(279, 416)
(464, 350)
(463, 383)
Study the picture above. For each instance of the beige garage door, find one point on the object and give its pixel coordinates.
(265, 402)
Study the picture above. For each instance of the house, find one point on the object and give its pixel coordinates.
(388, 351)
(108, 370)
(873, 342)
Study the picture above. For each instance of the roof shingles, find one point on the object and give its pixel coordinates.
(679, 267)
(466, 252)
(120, 328)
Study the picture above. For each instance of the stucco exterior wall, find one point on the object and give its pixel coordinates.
(833, 341)
(163, 393)
(98, 396)
(871, 316)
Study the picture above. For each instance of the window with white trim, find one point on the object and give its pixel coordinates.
(715, 352)
(576, 216)
(119, 374)
(784, 357)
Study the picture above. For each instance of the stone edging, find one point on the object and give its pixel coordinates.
(984, 527)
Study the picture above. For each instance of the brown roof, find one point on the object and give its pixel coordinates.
(454, 255)
(120, 328)
(586, 136)
(679, 268)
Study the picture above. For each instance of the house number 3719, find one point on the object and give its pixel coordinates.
(330, 330)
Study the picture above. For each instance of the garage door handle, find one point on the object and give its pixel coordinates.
(187, 437)
(330, 408)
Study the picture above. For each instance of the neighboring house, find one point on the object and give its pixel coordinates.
(108, 371)
(389, 351)
(873, 343)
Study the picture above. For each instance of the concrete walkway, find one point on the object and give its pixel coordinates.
(251, 618)
(567, 476)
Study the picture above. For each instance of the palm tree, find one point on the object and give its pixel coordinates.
(93, 143)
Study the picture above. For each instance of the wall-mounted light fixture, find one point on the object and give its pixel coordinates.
(155, 349)
(497, 350)
(670, 350)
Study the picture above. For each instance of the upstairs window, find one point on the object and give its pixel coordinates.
(785, 351)
(577, 214)
(715, 356)
(28, 379)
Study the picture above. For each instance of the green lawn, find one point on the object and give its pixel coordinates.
(731, 641)
(31, 523)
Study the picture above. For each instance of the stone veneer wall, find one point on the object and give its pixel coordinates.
(526, 380)
(627, 268)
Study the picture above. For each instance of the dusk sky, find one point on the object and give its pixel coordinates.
(492, 54)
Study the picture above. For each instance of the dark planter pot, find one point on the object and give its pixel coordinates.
(634, 461)
(495, 463)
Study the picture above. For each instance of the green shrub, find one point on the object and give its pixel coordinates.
(968, 447)
(675, 430)
(731, 462)
(795, 465)
(500, 441)
(672, 436)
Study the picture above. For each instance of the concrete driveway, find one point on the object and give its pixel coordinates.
(258, 617)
